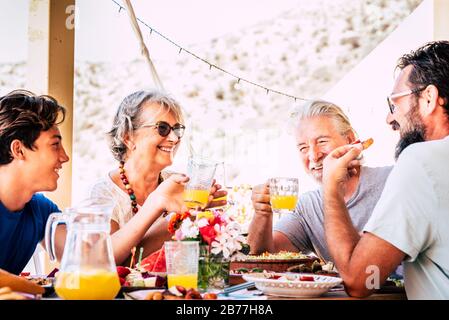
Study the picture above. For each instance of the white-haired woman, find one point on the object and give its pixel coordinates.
(145, 136)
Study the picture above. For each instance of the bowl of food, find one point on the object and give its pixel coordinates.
(293, 285)
(270, 262)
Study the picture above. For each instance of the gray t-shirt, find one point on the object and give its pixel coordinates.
(305, 226)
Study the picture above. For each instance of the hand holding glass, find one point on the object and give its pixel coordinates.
(283, 194)
(201, 173)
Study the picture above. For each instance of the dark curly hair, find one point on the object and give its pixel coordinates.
(430, 66)
(23, 116)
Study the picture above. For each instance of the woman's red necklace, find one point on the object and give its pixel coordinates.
(128, 188)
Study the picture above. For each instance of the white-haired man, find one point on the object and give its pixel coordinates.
(320, 127)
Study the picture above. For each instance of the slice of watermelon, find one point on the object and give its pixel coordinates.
(155, 262)
(159, 265)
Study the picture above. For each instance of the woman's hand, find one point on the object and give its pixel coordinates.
(215, 194)
(168, 196)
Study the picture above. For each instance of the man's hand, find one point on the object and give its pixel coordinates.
(168, 196)
(215, 194)
(261, 200)
(339, 165)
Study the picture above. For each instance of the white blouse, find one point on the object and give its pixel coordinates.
(106, 188)
(122, 212)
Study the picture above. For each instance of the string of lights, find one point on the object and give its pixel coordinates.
(211, 65)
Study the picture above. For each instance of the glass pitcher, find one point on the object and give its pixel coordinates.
(87, 270)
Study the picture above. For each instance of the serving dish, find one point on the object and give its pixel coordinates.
(292, 285)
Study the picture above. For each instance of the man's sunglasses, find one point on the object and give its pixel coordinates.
(163, 128)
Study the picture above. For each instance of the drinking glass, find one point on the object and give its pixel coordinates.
(283, 194)
(182, 263)
(201, 172)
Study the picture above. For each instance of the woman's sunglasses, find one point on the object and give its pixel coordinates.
(163, 128)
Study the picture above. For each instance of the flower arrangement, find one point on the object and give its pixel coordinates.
(212, 228)
(220, 238)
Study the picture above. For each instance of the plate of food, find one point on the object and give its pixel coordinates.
(293, 285)
(324, 269)
(236, 276)
(43, 281)
(278, 262)
(135, 279)
(13, 285)
(173, 293)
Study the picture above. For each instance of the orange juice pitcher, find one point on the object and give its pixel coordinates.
(87, 270)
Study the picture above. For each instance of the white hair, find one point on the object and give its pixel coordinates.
(321, 108)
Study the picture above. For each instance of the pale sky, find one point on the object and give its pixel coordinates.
(104, 34)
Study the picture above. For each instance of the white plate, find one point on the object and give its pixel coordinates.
(140, 294)
(290, 285)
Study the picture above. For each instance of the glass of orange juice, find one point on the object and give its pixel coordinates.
(182, 258)
(201, 172)
(283, 194)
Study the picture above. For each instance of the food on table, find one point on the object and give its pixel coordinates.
(154, 296)
(122, 273)
(273, 262)
(246, 270)
(315, 268)
(290, 277)
(20, 284)
(78, 285)
(281, 255)
(155, 262)
(180, 293)
(210, 296)
(273, 276)
(149, 273)
(137, 278)
(41, 281)
(306, 278)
